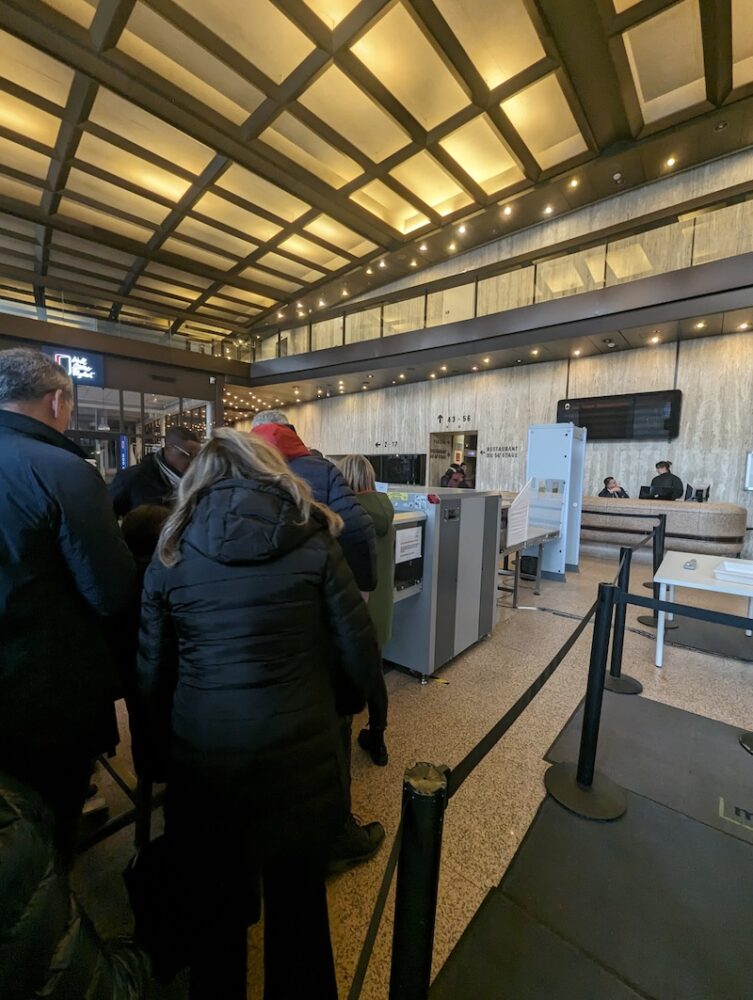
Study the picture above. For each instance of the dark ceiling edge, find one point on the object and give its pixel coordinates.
(43, 332)
(677, 294)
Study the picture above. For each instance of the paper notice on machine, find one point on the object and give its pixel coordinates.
(408, 544)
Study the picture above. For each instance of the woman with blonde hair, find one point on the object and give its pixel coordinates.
(252, 625)
(358, 473)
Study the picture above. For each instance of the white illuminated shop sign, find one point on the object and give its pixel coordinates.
(83, 368)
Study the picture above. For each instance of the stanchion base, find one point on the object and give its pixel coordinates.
(623, 684)
(603, 800)
(652, 622)
(746, 742)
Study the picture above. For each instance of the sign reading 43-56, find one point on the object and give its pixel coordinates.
(83, 368)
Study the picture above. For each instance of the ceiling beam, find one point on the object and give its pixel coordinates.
(716, 29)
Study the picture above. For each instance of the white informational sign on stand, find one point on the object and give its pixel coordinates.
(518, 516)
(382, 487)
(407, 544)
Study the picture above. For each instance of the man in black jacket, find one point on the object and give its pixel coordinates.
(155, 479)
(356, 842)
(63, 566)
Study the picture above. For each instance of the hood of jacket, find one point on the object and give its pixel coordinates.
(284, 438)
(240, 521)
(379, 509)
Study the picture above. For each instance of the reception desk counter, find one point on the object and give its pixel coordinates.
(713, 528)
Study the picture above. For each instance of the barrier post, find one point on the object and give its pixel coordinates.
(424, 802)
(660, 535)
(579, 787)
(615, 680)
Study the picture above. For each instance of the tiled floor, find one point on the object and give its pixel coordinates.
(439, 722)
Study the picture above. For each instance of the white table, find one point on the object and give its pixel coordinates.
(672, 573)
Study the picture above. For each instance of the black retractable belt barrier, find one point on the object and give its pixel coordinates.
(424, 801)
(616, 681)
(746, 742)
(580, 788)
(660, 535)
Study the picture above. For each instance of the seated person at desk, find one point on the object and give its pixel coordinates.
(666, 480)
(613, 489)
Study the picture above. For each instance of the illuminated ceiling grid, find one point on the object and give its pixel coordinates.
(181, 165)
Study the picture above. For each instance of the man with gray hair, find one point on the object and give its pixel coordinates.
(63, 567)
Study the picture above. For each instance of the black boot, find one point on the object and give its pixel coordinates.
(372, 741)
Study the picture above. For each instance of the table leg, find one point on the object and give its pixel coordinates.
(537, 587)
(516, 578)
(670, 597)
(660, 627)
(749, 632)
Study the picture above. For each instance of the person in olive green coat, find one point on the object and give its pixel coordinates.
(359, 474)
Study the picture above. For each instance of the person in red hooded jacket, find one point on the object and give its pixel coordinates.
(356, 842)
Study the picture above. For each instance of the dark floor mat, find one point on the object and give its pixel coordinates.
(685, 761)
(708, 637)
(505, 955)
(656, 897)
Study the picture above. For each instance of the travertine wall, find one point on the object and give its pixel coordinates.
(715, 375)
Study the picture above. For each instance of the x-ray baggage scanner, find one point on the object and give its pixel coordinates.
(446, 550)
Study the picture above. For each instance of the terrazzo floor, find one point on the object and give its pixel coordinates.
(439, 722)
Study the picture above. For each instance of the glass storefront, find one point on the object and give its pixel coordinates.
(117, 427)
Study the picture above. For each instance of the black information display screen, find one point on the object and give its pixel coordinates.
(638, 416)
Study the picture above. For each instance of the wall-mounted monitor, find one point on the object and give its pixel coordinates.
(635, 416)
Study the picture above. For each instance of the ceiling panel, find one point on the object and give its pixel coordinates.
(96, 250)
(389, 206)
(542, 116)
(479, 149)
(17, 189)
(273, 280)
(26, 120)
(102, 220)
(262, 34)
(215, 237)
(138, 171)
(312, 251)
(665, 54)
(399, 55)
(742, 42)
(215, 207)
(430, 182)
(332, 12)
(258, 191)
(221, 263)
(294, 140)
(80, 11)
(125, 119)
(499, 37)
(333, 232)
(31, 69)
(13, 154)
(290, 267)
(111, 196)
(246, 296)
(342, 105)
(158, 45)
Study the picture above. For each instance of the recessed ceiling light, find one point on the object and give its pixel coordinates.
(414, 263)
(487, 360)
(574, 182)
(321, 303)
(576, 353)
(344, 293)
(280, 315)
(452, 247)
(520, 360)
(743, 326)
(443, 368)
(461, 230)
(548, 210)
(671, 161)
(432, 375)
(383, 263)
(475, 368)
(720, 126)
(700, 326)
(299, 306)
(535, 351)
(654, 340)
(369, 270)
(393, 382)
(364, 386)
(401, 375)
(423, 248)
(507, 210)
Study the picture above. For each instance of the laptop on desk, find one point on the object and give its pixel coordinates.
(659, 493)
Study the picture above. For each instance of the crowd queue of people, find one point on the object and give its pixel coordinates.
(240, 609)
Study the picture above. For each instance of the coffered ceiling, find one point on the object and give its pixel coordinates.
(211, 166)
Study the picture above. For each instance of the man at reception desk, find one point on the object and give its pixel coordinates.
(613, 489)
(666, 480)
